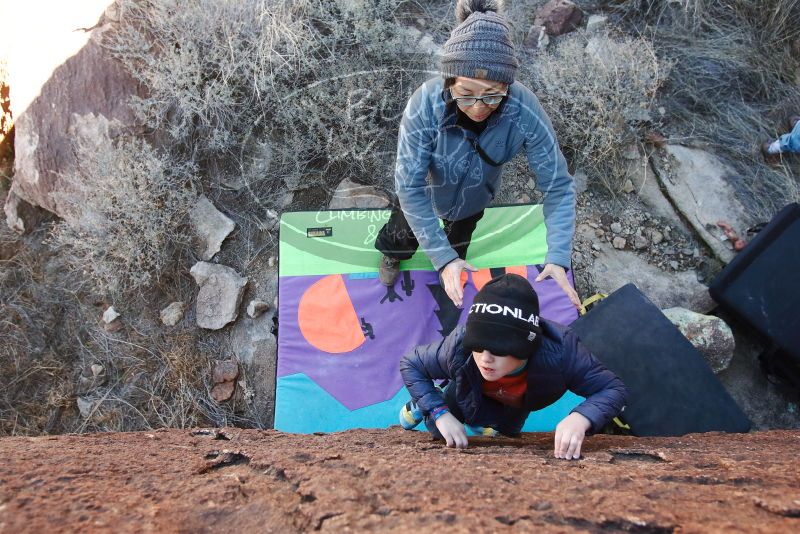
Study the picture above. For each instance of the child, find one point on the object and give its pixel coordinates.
(503, 364)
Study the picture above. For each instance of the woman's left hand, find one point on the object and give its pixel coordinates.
(557, 273)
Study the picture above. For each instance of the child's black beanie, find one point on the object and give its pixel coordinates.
(504, 318)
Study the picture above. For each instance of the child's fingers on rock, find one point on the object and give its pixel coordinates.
(574, 444)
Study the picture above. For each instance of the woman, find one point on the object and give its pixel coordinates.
(456, 133)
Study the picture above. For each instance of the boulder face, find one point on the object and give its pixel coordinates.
(379, 480)
(79, 91)
(697, 183)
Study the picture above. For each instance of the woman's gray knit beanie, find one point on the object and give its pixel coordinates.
(480, 46)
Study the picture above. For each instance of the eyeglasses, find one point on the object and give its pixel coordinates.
(489, 100)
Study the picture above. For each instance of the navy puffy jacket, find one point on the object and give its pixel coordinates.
(561, 363)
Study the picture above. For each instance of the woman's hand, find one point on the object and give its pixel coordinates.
(557, 273)
(452, 431)
(451, 279)
(569, 436)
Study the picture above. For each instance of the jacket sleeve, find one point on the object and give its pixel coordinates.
(552, 178)
(423, 365)
(415, 144)
(585, 375)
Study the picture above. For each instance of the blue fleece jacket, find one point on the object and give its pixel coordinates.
(438, 173)
(561, 363)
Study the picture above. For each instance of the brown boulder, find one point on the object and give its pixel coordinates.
(376, 480)
(558, 17)
(76, 88)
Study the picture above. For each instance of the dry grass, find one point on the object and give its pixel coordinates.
(35, 381)
(600, 93)
(734, 82)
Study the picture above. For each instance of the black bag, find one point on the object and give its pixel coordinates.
(761, 286)
(671, 389)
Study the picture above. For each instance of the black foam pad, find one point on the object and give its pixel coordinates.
(762, 283)
(672, 390)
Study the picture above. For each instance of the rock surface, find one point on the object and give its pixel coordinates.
(68, 86)
(172, 314)
(614, 268)
(210, 227)
(558, 17)
(238, 480)
(350, 195)
(697, 183)
(221, 291)
(710, 335)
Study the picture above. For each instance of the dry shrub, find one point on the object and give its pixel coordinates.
(599, 96)
(124, 225)
(148, 380)
(35, 385)
(302, 91)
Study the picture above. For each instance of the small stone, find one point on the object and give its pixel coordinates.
(606, 219)
(640, 242)
(221, 291)
(113, 326)
(85, 407)
(616, 228)
(578, 258)
(657, 237)
(687, 251)
(628, 187)
(619, 242)
(709, 335)
(172, 314)
(110, 315)
(210, 227)
(581, 181)
(669, 251)
(593, 225)
(599, 232)
(225, 370)
(696, 252)
(256, 308)
(272, 261)
(674, 264)
(537, 38)
(595, 246)
(596, 22)
(524, 198)
(97, 369)
(224, 391)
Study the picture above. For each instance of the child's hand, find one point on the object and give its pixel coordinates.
(569, 436)
(452, 431)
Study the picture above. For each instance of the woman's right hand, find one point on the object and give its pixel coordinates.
(451, 279)
(452, 430)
